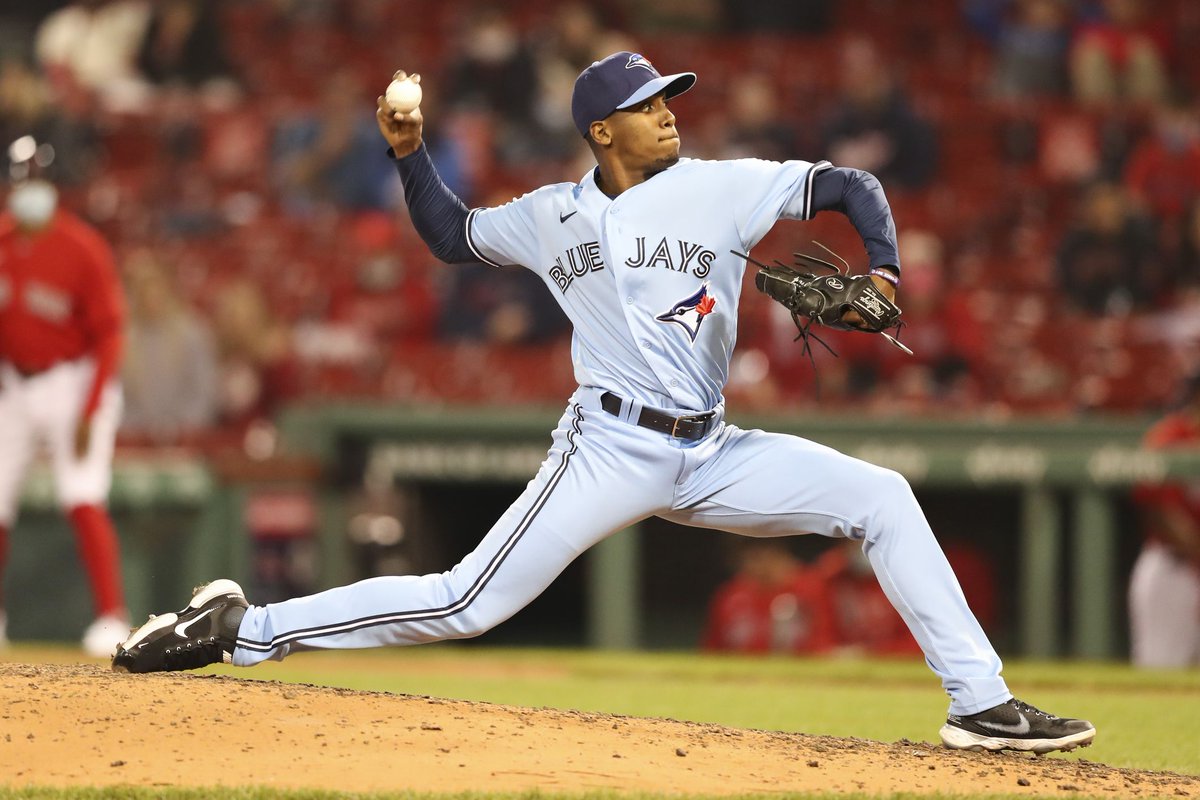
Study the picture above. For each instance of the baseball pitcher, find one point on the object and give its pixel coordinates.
(642, 253)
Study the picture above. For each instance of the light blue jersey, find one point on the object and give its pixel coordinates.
(648, 279)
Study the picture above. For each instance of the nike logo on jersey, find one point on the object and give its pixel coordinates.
(564, 217)
(181, 628)
(690, 312)
(684, 257)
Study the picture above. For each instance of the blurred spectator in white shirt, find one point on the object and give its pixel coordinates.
(170, 369)
(94, 43)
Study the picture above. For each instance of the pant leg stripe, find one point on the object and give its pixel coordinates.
(458, 605)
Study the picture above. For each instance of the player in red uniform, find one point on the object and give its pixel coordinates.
(1164, 588)
(774, 604)
(777, 603)
(863, 620)
(61, 317)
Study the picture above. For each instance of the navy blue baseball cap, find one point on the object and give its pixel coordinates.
(619, 81)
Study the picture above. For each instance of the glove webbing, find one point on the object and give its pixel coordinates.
(805, 333)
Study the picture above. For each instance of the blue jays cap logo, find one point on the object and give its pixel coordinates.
(638, 60)
(690, 312)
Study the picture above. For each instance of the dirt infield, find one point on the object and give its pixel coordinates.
(75, 725)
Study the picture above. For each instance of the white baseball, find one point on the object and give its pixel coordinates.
(403, 95)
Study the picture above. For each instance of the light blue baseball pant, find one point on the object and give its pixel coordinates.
(603, 474)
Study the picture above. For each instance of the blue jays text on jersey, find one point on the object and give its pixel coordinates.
(617, 265)
(575, 263)
(692, 257)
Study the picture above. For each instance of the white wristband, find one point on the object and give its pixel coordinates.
(887, 275)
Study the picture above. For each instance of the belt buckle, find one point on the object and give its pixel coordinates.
(689, 418)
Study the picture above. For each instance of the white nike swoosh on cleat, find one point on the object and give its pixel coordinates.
(1019, 729)
(181, 630)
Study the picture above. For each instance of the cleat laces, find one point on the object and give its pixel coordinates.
(193, 654)
(1025, 708)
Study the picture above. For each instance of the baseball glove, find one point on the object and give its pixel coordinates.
(826, 299)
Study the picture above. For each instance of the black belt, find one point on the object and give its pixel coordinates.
(689, 426)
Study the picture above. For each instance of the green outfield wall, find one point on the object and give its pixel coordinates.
(182, 521)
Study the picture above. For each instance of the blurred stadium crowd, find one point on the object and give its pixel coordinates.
(1042, 158)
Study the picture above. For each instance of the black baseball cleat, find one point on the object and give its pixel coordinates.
(1015, 725)
(201, 634)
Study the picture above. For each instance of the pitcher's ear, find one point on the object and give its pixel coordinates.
(600, 132)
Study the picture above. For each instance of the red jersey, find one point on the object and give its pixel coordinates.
(1166, 181)
(1177, 430)
(747, 617)
(862, 614)
(60, 298)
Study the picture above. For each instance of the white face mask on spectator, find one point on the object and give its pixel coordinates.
(33, 203)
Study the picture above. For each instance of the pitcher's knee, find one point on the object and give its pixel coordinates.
(887, 493)
(470, 623)
(888, 484)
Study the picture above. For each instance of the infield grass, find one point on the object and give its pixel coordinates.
(1145, 720)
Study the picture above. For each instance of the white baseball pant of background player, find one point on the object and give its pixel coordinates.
(43, 410)
(1164, 609)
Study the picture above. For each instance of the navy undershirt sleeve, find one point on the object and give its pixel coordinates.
(858, 195)
(438, 215)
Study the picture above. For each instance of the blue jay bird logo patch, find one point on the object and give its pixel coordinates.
(690, 312)
(638, 60)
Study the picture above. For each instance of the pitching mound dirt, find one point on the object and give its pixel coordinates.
(80, 725)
